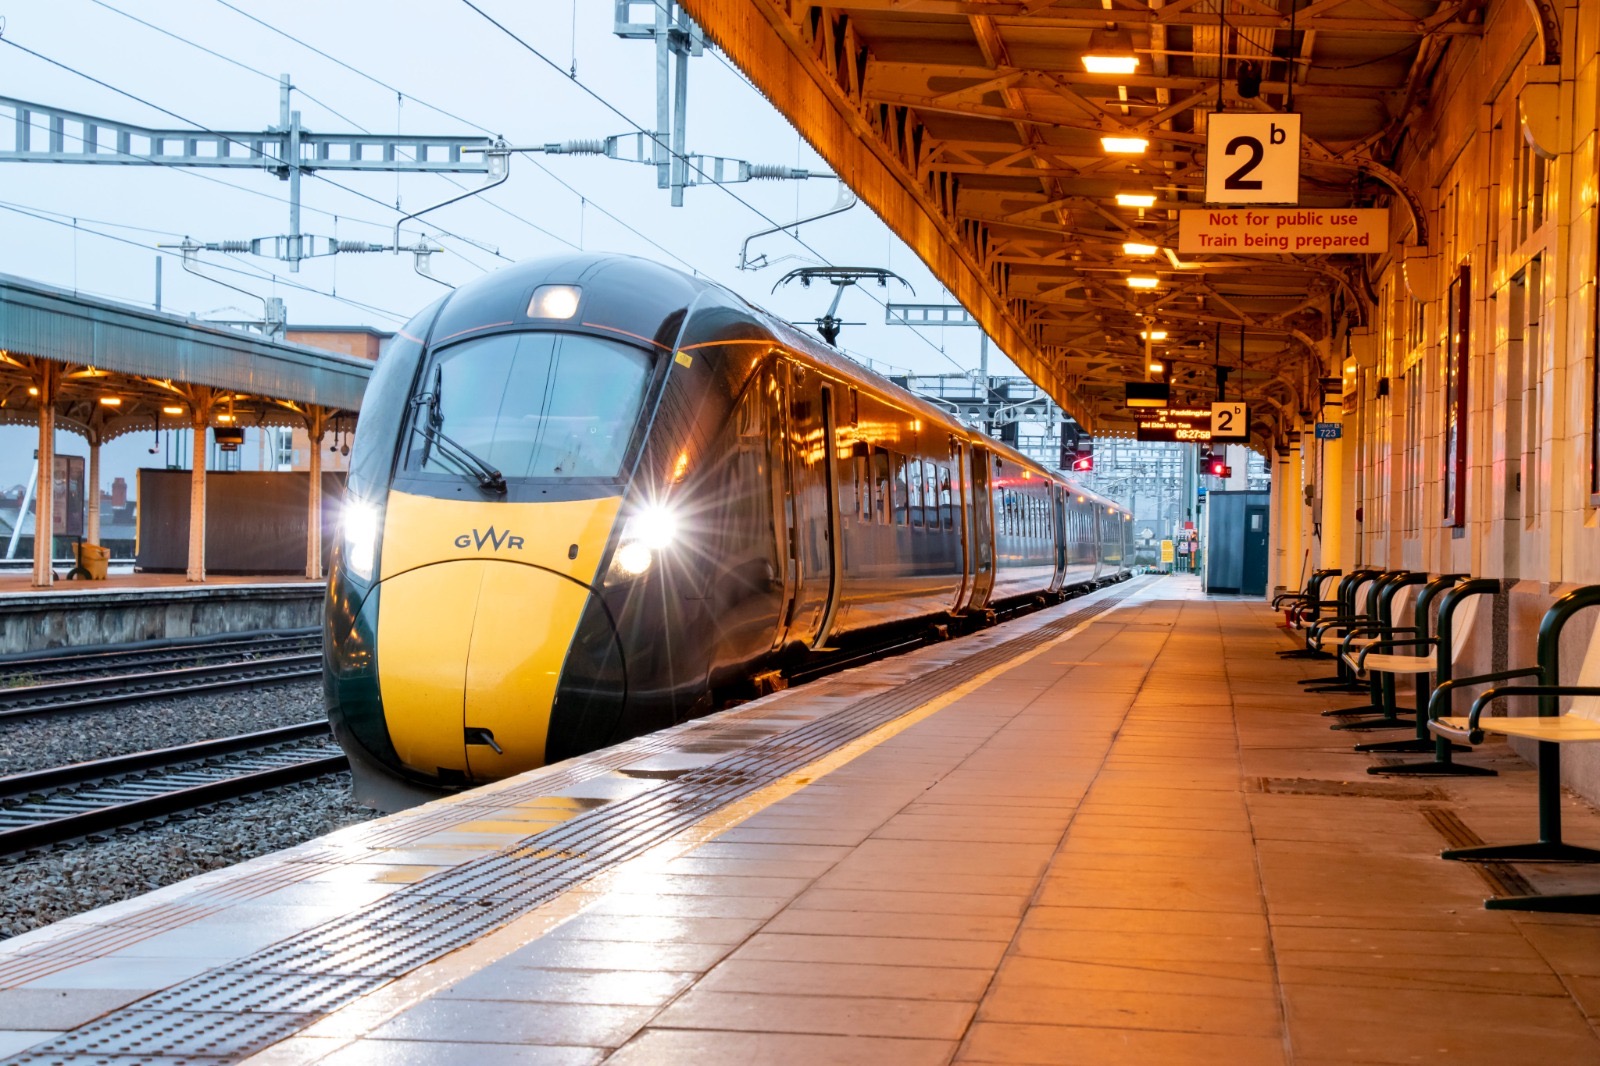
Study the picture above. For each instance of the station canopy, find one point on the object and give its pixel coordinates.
(117, 369)
(975, 129)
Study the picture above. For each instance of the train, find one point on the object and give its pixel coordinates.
(591, 496)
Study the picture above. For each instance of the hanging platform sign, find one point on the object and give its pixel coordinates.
(1230, 422)
(1280, 230)
(1174, 424)
(1329, 430)
(1252, 158)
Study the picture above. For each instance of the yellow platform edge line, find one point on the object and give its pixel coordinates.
(356, 1020)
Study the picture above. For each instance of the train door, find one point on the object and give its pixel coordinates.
(812, 493)
(960, 490)
(1058, 529)
(834, 510)
(776, 396)
(981, 529)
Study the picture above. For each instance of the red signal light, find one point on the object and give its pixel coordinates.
(1083, 462)
(1219, 468)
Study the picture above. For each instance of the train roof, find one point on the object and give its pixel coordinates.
(648, 301)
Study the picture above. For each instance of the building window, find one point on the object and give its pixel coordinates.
(1453, 430)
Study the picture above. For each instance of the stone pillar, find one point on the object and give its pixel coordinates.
(1286, 480)
(197, 494)
(91, 528)
(44, 496)
(316, 429)
(1335, 550)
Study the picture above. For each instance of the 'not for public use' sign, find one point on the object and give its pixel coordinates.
(1292, 230)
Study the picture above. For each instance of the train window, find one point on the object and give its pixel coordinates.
(536, 405)
(930, 493)
(947, 503)
(914, 480)
(863, 472)
(900, 495)
(883, 498)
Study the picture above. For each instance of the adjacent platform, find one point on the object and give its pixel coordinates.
(135, 607)
(1111, 832)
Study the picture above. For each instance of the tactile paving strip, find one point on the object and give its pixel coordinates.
(228, 1013)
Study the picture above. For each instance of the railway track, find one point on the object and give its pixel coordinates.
(151, 655)
(48, 807)
(59, 697)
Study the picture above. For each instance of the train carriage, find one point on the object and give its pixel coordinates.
(591, 497)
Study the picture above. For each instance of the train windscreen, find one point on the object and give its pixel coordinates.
(536, 405)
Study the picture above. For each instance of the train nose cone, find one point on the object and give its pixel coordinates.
(469, 656)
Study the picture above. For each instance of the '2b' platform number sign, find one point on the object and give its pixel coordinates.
(1230, 422)
(1252, 159)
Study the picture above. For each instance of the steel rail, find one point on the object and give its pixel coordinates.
(126, 806)
(78, 664)
(64, 696)
(24, 784)
(154, 644)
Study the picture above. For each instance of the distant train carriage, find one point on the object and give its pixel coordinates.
(591, 496)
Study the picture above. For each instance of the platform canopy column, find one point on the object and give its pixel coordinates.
(317, 420)
(201, 401)
(1286, 485)
(47, 380)
(91, 526)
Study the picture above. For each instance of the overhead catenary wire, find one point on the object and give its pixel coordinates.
(35, 123)
(654, 137)
(400, 94)
(257, 274)
(232, 140)
(227, 59)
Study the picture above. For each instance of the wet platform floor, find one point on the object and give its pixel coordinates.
(1118, 838)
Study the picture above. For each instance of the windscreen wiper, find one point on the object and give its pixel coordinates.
(460, 456)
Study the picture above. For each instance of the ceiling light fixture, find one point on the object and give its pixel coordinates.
(111, 401)
(1135, 248)
(1110, 52)
(1124, 145)
(1139, 281)
(1153, 335)
(1135, 199)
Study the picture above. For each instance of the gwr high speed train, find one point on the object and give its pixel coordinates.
(589, 495)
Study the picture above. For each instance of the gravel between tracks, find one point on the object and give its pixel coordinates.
(39, 743)
(58, 884)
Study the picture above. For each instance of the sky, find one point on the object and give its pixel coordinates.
(439, 56)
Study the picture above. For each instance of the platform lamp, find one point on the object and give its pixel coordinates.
(1110, 52)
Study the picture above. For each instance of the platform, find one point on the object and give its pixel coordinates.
(134, 607)
(1114, 831)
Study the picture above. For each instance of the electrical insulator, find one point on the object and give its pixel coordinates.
(577, 148)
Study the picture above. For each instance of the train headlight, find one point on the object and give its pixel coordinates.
(633, 559)
(649, 531)
(360, 528)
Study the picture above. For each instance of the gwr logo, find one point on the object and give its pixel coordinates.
(492, 538)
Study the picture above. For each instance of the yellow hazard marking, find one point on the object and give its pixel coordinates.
(355, 1021)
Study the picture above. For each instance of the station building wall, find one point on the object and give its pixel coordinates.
(1505, 164)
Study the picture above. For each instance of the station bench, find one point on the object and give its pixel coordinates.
(1302, 608)
(1352, 601)
(1550, 728)
(1394, 593)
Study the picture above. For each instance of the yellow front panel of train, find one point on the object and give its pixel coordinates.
(480, 603)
